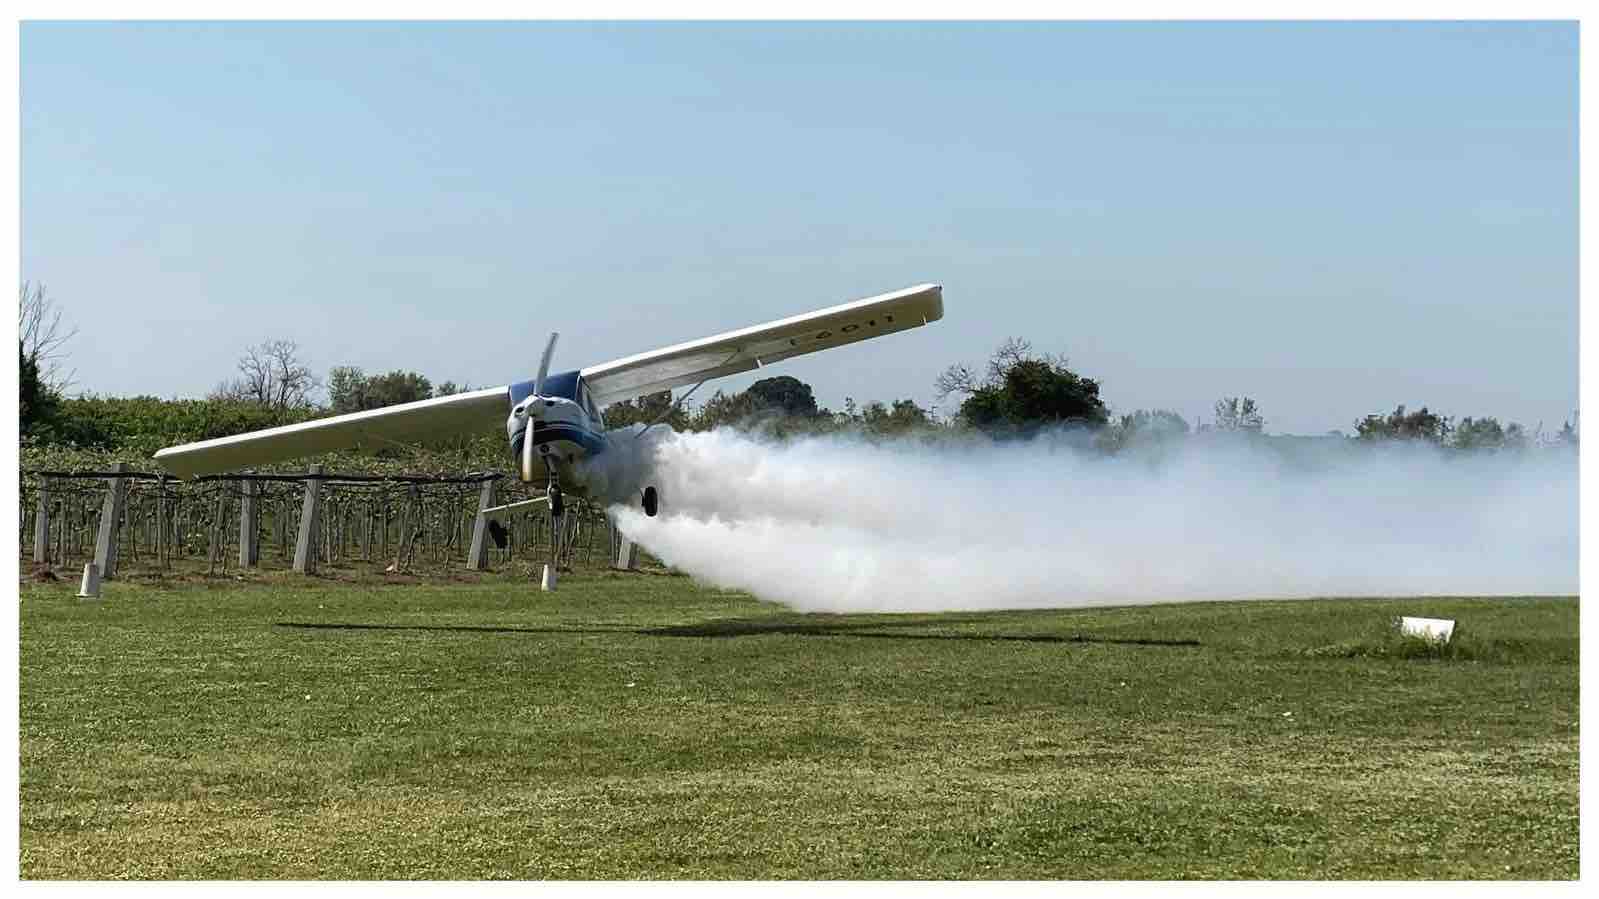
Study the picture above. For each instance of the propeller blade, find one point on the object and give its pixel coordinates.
(544, 364)
(527, 451)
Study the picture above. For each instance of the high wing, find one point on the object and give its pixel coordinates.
(645, 373)
(747, 348)
(475, 411)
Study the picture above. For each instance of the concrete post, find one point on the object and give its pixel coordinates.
(249, 525)
(305, 548)
(41, 524)
(626, 554)
(90, 589)
(105, 546)
(477, 557)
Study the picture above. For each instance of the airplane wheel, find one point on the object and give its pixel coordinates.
(554, 493)
(652, 502)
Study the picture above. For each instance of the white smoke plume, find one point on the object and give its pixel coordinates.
(841, 524)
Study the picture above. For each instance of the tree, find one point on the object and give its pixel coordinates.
(785, 394)
(272, 375)
(902, 416)
(36, 403)
(1486, 433)
(724, 410)
(1021, 391)
(1398, 425)
(352, 390)
(44, 337)
(646, 409)
(1568, 434)
(346, 389)
(1235, 414)
(1478, 433)
(1141, 427)
(782, 405)
(397, 387)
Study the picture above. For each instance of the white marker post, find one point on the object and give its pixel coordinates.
(1436, 630)
(547, 583)
(90, 588)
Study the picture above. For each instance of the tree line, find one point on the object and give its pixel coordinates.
(1015, 393)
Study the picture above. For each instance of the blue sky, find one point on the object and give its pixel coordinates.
(1331, 218)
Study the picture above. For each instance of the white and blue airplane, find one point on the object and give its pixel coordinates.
(553, 422)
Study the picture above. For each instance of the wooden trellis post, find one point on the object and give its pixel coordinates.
(105, 547)
(249, 525)
(218, 530)
(305, 548)
(403, 549)
(163, 545)
(41, 524)
(477, 557)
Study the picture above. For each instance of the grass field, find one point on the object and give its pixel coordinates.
(641, 726)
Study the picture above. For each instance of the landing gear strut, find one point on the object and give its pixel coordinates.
(553, 491)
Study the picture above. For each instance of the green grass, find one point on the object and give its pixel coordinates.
(640, 726)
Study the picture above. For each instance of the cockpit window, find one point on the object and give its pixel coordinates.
(561, 384)
(587, 399)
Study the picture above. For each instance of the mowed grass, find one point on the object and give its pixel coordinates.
(642, 726)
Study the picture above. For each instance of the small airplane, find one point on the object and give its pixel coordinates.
(555, 426)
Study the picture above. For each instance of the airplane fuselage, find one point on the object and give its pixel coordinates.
(568, 429)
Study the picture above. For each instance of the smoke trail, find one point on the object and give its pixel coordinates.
(840, 524)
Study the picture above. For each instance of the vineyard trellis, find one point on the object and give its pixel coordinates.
(133, 520)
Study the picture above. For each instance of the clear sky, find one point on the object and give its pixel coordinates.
(1331, 218)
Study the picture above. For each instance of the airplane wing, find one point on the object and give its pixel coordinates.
(747, 348)
(475, 411)
(685, 363)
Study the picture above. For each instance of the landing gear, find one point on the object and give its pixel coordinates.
(553, 491)
(652, 501)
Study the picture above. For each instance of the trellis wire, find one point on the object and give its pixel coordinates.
(403, 522)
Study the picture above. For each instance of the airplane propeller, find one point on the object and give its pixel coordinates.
(544, 364)
(538, 391)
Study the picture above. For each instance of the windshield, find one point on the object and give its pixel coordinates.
(561, 384)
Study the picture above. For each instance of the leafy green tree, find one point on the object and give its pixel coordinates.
(1022, 391)
(36, 401)
(397, 387)
(1478, 433)
(352, 390)
(1420, 425)
(902, 417)
(646, 409)
(346, 389)
(1486, 433)
(783, 406)
(725, 410)
(784, 394)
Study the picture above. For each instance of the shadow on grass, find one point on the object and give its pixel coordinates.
(723, 628)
